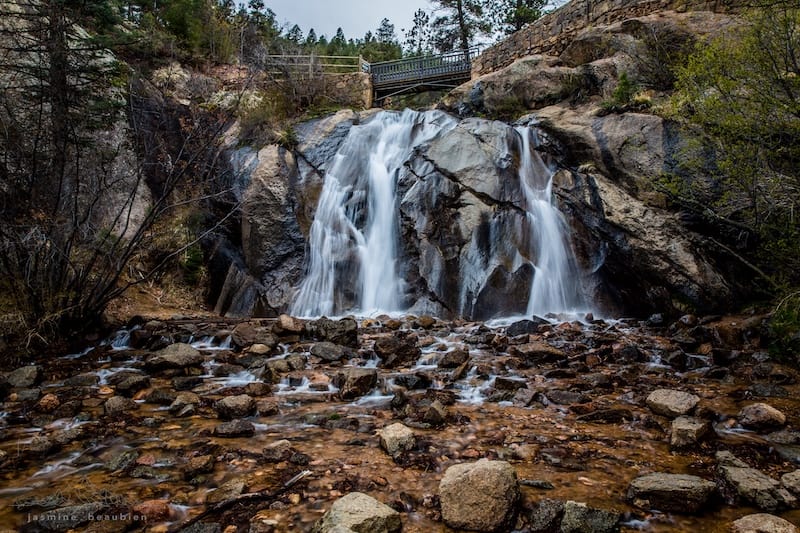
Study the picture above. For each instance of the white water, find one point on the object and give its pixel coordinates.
(556, 284)
(355, 226)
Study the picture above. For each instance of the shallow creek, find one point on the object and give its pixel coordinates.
(143, 455)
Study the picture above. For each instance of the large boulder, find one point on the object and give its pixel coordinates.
(343, 331)
(761, 416)
(671, 492)
(359, 513)
(763, 523)
(479, 496)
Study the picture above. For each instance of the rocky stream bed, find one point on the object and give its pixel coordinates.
(408, 423)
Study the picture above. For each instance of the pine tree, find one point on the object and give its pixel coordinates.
(509, 16)
(419, 36)
(459, 23)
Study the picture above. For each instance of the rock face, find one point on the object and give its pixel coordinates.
(671, 492)
(479, 496)
(359, 513)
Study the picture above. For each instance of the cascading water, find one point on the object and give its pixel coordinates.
(556, 284)
(354, 236)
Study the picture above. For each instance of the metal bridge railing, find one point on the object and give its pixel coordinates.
(423, 68)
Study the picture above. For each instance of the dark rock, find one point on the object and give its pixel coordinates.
(118, 406)
(327, 351)
(398, 350)
(82, 380)
(502, 383)
(414, 381)
(563, 397)
(232, 407)
(671, 492)
(184, 383)
(580, 518)
(356, 382)
(545, 516)
(454, 358)
(235, 428)
(525, 327)
(343, 331)
(608, 416)
(25, 377)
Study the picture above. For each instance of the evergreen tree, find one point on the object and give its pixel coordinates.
(459, 23)
(419, 36)
(311, 38)
(509, 16)
(383, 46)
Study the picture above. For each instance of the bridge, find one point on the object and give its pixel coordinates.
(424, 73)
(388, 78)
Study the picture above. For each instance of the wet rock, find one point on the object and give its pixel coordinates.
(479, 496)
(153, 510)
(257, 388)
(397, 350)
(671, 403)
(538, 352)
(688, 431)
(328, 351)
(201, 464)
(739, 482)
(235, 428)
(232, 407)
(122, 461)
(397, 438)
(174, 356)
(414, 381)
(82, 380)
(278, 451)
(68, 409)
(563, 397)
(761, 416)
(28, 395)
(628, 353)
(343, 331)
(203, 527)
(671, 492)
(762, 523)
(118, 405)
(185, 383)
(267, 407)
(454, 358)
(287, 325)
(226, 491)
(48, 403)
(184, 404)
(791, 481)
(41, 446)
(248, 333)
(767, 390)
(503, 383)
(580, 518)
(434, 414)
(129, 383)
(359, 513)
(545, 516)
(356, 382)
(525, 327)
(25, 377)
(607, 416)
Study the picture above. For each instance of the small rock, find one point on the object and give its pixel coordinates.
(287, 324)
(328, 351)
(563, 397)
(397, 350)
(580, 518)
(480, 496)
(545, 516)
(178, 355)
(503, 383)
(118, 405)
(226, 491)
(356, 382)
(454, 358)
(183, 383)
(201, 464)
(358, 512)
(761, 416)
(688, 431)
(48, 403)
(82, 380)
(397, 438)
(25, 377)
(278, 451)
(671, 403)
(234, 429)
(183, 400)
(762, 523)
(232, 407)
(671, 492)
(153, 510)
(755, 487)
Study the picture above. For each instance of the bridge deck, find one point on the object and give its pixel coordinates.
(418, 73)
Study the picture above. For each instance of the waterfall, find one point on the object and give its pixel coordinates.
(555, 287)
(353, 240)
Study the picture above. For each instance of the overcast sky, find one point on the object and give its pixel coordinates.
(355, 17)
